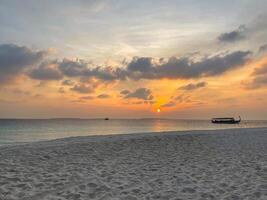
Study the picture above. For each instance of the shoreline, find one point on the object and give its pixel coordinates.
(133, 135)
(214, 164)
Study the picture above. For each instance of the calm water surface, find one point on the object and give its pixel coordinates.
(29, 130)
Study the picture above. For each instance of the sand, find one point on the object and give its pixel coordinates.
(223, 164)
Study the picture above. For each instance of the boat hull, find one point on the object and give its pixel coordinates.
(218, 122)
(225, 120)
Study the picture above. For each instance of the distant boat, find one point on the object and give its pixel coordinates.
(226, 120)
(106, 118)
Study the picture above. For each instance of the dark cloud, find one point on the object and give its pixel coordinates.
(263, 48)
(81, 69)
(72, 68)
(82, 88)
(103, 96)
(259, 78)
(144, 68)
(140, 93)
(87, 98)
(14, 59)
(142, 102)
(260, 71)
(182, 98)
(179, 99)
(137, 102)
(78, 101)
(68, 82)
(21, 92)
(185, 68)
(149, 102)
(169, 104)
(143, 64)
(233, 36)
(192, 86)
(257, 82)
(125, 92)
(46, 71)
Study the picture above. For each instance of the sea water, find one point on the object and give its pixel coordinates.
(30, 130)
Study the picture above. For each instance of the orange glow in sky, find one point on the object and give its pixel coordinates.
(174, 67)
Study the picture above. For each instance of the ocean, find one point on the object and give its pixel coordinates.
(30, 130)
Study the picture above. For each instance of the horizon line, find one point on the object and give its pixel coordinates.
(103, 118)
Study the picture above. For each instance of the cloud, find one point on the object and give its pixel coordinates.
(140, 93)
(193, 86)
(124, 92)
(10, 101)
(257, 82)
(143, 64)
(38, 96)
(263, 48)
(46, 71)
(259, 78)
(260, 71)
(72, 68)
(87, 98)
(179, 99)
(14, 59)
(67, 82)
(233, 36)
(257, 27)
(81, 69)
(185, 68)
(103, 96)
(182, 98)
(61, 90)
(137, 102)
(169, 104)
(148, 68)
(21, 92)
(82, 88)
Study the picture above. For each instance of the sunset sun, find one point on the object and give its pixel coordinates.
(158, 110)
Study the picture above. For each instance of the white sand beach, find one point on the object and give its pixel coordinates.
(222, 164)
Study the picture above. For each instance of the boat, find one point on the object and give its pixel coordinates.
(106, 118)
(226, 120)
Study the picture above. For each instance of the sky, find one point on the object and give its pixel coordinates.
(126, 59)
